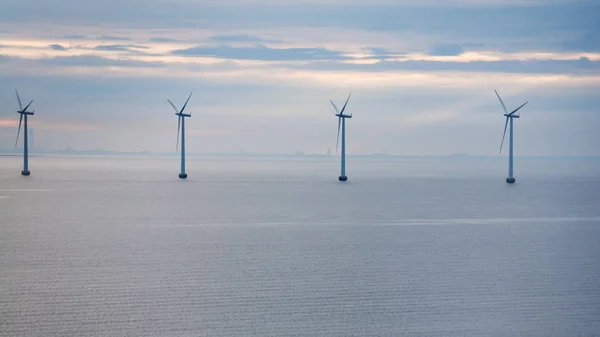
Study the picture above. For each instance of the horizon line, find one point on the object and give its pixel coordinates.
(99, 152)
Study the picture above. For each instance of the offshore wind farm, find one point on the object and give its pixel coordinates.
(261, 222)
(204, 243)
(342, 116)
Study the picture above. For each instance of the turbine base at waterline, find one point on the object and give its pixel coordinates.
(182, 175)
(511, 180)
(25, 173)
(342, 178)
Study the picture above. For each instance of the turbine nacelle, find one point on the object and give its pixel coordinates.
(183, 115)
(343, 116)
(512, 116)
(26, 112)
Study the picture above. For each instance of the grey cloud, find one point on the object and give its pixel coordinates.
(214, 67)
(95, 61)
(446, 49)
(381, 54)
(508, 27)
(119, 47)
(582, 66)
(74, 37)
(555, 27)
(242, 38)
(379, 51)
(57, 47)
(162, 40)
(113, 38)
(113, 47)
(263, 53)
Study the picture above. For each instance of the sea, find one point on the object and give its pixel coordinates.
(269, 246)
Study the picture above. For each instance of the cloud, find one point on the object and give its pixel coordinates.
(57, 47)
(241, 38)
(436, 59)
(582, 66)
(95, 61)
(119, 47)
(8, 122)
(263, 53)
(377, 53)
(446, 49)
(162, 40)
(114, 47)
(113, 38)
(532, 26)
(74, 37)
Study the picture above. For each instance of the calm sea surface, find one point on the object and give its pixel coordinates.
(100, 246)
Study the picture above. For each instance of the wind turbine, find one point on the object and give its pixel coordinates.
(342, 122)
(24, 113)
(181, 125)
(509, 116)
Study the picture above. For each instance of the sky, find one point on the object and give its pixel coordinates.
(422, 74)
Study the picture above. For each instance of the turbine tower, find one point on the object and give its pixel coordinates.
(24, 113)
(342, 121)
(181, 125)
(509, 116)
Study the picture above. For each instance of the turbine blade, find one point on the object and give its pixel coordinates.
(186, 102)
(338, 134)
(27, 106)
(173, 105)
(501, 102)
(344, 108)
(335, 107)
(19, 99)
(19, 130)
(503, 135)
(178, 127)
(517, 109)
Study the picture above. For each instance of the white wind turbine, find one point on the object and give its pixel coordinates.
(342, 121)
(24, 113)
(509, 116)
(181, 125)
